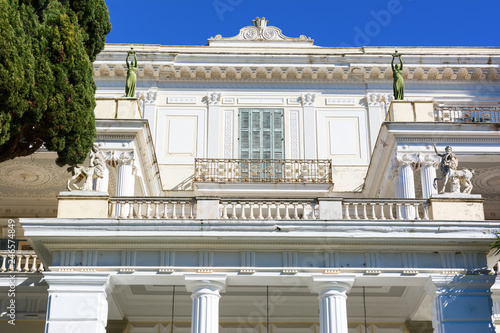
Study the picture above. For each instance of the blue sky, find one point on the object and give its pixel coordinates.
(329, 22)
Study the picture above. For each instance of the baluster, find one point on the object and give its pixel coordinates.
(4, 263)
(139, 209)
(224, 210)
(157, 209)
(243, 215)
(41, 269)
(165, 209)
(398, 210)
(356, 217)
(347, 216)
(251, 205)
(112, 205)
(391, 215)
(11, 263)
(233, 210)
(408, 211)
(382, 216)
(191, 210)
(174, 209)
(269, 211)
(33, 267)
(148, 209)
(183, 213)
(417, 214)
(278, 215)
(374, 216)
(26, 263)
(364, 211)
(260, 204)
(315, 215)
(287, 206)
(295, 211)
(18, 266)
(131, 210)
(426, 211)
(305, 205)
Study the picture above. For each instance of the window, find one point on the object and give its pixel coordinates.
(261, 134)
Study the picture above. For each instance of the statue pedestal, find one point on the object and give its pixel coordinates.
(456, 207)
(410, 111)
(82, 204)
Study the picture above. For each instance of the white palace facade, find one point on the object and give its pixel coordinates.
(261, 183)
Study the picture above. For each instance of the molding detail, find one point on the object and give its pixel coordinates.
(212, 98)
(228, 134)
(294, 135)
(340, 101)
(29, 175)
(307, 99)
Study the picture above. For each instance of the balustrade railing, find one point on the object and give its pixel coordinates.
(152, 208)
(467, 114)
(20, 261)
(264, 209)
(262, 171)
(268, 209)
(397, 209)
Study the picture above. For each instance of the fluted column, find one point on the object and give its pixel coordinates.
(332, 302)
(205, 291)
(125, 179)
(428, 164)
(406, 181)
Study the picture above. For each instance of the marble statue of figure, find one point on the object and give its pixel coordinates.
(96, 169)
(449, 171)
(397, 74)
(131, 75)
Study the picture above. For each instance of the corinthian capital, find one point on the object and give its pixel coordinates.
(406, 159)
(213, 98)
(116, 158)
(307, 99)
(428, 160)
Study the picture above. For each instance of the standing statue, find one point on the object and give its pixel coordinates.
(448, 168)
(397, 74)
(131, 74)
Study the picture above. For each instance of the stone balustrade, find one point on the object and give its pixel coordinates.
(20, 261)
(376, 209)
(265, 209)
(269, 209)
(465, 114)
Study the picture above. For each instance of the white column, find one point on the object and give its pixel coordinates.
(428, 174)
(213, 109)
(332, 302)
(406, 182)
(77, 302)
(205, 289)
(309, 126)
(462, 304)
(125, 182)
(149, 109)
(101, 184)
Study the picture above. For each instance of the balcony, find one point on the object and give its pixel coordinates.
(20, 262)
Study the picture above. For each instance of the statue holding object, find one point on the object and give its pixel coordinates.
(96, 169)
(448, 168)
(397, 74)
(131, 74)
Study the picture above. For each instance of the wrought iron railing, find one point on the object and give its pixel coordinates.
(467, 114)
(209, 170)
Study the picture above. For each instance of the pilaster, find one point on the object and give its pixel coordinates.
(77, 302)
(307, 101)
(213, 101)
(462, 303)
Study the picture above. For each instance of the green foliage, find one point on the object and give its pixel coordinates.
(46, 79)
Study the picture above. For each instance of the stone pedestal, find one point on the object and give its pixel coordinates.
(207, 208)
(332, 302)
(77, 302)
(330, 208)
(410, 111)
(462, 303)
(205, 291)
(456, 207)
(82, 204)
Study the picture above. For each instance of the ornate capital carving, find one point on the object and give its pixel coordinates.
(307, 99)
(406, 159)
(116, 158)
(212, 98)
(428, 160)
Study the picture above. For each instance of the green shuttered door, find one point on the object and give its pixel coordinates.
(261, 134)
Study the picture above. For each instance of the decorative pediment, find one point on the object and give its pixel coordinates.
(260, 32)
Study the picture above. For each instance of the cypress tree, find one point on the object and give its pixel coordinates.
(46, 78)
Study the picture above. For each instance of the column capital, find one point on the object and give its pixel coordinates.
(77, 282)
(431, 160)
(406, 159)
(331, 285)
(205, 283)
(116, 158)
